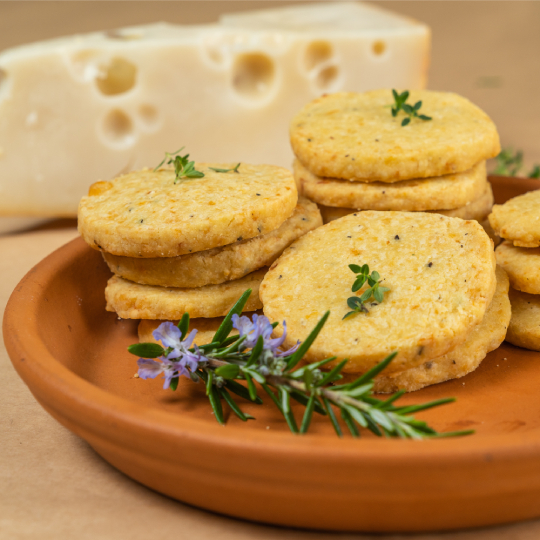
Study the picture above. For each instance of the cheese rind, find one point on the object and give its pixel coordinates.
(89, 107)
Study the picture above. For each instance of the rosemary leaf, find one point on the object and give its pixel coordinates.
(349, 422)
(146, 350)
(308, 413)
(301, 351)
(233, 405)
(183, 324)
(242, 391)
(332, 416)
(226, 326)
(215, 402)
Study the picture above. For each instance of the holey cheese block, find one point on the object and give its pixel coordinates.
(85, 108)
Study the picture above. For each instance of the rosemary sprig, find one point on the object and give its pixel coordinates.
(510, 163)
(410, 110)
(357, 303)
(183, 168)
(253, 356)
(234, 169)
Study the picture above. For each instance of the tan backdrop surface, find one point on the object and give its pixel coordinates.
(53, 486)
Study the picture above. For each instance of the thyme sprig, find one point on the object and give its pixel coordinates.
(410, 110)
(234, 169)
(510, 164)
(243, 365)
(183, 168)
(375, 289)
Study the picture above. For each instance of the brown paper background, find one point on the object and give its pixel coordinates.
(52, 484)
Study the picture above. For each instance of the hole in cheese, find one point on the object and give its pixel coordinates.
(378, 47)
(148, 115)
(117, 77)
(326, 77)
(317, 52)
(117, 129)
(253, 75)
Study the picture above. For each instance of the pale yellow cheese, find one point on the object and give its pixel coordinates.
(85, 108)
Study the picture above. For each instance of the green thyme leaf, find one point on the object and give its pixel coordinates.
(170, 157)
(410, 110)
(353, 302)
(183, 168)
(235, 169)
(509, 163)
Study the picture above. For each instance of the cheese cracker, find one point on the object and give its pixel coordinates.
(440, 272)
(353, 136)
(442, 193)
(222, 264)
(477, 209)
(149, 214)
(484, 338)
(135, 301)
(518, 220)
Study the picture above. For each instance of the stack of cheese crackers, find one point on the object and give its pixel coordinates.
(518, 222)
(192, 245)
(446, 308)
(353, 153)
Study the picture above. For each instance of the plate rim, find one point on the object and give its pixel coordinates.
(46, 376)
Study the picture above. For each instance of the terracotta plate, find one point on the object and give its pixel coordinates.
(72, 355)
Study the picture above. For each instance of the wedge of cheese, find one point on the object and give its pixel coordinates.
(79, 109)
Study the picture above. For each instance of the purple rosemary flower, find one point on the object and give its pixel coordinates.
(261, 326)
(150, 369)
(177, 360)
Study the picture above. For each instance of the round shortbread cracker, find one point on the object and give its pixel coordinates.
(518, 220)
(484, 338)
(524, 328)
(145, 214)
(218, 265)
(354, 136)
(440, 271)
(477, 209)
(441, 193)
(522, 266)
(135, 301)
